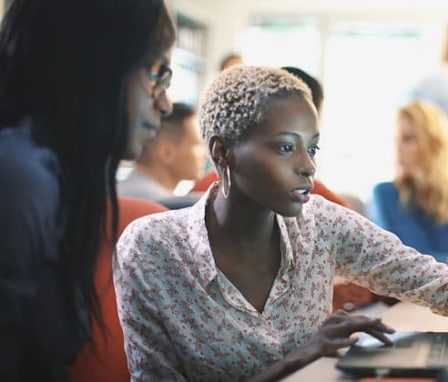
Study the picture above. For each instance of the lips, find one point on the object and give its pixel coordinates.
(151, 129)
(301, 194)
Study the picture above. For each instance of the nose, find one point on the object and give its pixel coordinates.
(307, 166)
(309, 172)
(164, 104)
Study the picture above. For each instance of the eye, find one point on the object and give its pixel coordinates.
(312, 150)
(286, 148)
(409, 139)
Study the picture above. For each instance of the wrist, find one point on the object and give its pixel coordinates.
(302, 357)
(295, 360)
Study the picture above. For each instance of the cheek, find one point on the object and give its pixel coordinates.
(137, 133)
(139, 103)
(133, 104)
(411, 152)
(199, 153)
(259, 172)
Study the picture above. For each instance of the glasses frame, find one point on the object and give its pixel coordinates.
(160, 79)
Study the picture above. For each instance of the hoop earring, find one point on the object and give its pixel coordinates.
(226, 181)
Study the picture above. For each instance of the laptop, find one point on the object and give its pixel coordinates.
(414, 354)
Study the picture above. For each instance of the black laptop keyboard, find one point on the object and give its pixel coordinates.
(439, 349)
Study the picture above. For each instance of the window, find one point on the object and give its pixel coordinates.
(188, 61)
(277, 43)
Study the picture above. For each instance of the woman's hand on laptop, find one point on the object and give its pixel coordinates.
(336, 332)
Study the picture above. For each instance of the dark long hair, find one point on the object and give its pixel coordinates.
(65, 64)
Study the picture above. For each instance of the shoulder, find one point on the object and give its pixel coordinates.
(159, 240)
(429, 86)
(134, 208)
(385, 189)
(140, 185)
(321, 210)
(158, 226)
(26, 168)
(29, 196)
(319, 202)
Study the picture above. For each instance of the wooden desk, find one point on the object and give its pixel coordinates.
(401, 316)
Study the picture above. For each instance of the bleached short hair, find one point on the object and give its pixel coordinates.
(237, 99)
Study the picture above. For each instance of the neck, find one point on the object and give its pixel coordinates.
(239, 221)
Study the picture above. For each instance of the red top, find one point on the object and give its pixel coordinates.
(104, 359)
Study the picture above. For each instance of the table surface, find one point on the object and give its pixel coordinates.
(401, 316)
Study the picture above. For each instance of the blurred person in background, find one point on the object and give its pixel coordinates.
(414, 205)
(177, 153)
(433, 88)
(231, 59)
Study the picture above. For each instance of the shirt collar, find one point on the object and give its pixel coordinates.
(205, 262)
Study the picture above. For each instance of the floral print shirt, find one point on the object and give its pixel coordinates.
(183, 320)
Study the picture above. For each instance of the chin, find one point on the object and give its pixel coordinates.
(290, 212)
(132, 152)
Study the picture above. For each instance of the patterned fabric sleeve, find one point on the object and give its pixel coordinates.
(378, 260)
(147, 342)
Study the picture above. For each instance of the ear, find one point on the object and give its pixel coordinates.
(167, 152)
(219, 151)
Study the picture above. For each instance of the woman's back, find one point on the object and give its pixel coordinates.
(31, 289)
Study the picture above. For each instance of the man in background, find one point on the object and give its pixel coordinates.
(177, 153)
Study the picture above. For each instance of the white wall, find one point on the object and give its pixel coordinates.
(226, 20)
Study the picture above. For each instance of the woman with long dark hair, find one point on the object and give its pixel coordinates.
(82, 86)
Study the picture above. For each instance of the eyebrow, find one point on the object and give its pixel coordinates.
(296, 135)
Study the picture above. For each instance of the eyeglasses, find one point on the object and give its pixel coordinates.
(160, 76)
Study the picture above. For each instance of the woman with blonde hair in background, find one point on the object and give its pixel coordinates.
(414, 205)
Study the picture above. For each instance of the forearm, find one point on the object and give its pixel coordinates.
(292, 362)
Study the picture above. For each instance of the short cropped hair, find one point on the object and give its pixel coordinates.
(237, 99)
(180, 112)
(172, 129)
(173, 124)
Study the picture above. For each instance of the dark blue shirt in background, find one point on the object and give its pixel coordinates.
(413, 226)
(37, 340)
